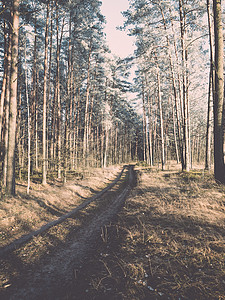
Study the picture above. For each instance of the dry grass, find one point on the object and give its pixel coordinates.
(55, 200)
(25, 213)
(167, 243)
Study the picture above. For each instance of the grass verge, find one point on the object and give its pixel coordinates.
(167, 242)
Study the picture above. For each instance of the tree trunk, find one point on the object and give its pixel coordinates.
(175, 136)
(10, 183)
(186, 165)
(211, 88)
(6, 106)
(19, 139)
(28, 125)
(36, 125)
(106, 147)
(50, 99)
(219, 169)
(161, 120)
(44, 169)
(34, 95)
(58, 97)
(149, 103)
(86, 118)
(4, 81)
(145, 128)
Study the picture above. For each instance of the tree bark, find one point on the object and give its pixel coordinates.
(10, 183)
(211, 88)
(146, 146)
(28, 124)
(34, 96)
(58, 97)
(161, 119)
(6, 105)
(44, 169)
(4, 81)
(186, 142)
(219, 169)
(149, 103)
(86, 118)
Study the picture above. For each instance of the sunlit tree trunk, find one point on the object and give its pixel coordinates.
(106, 146)
(44, 169)
(36, 125)
(86, 118)
(4, 80)
(34, 97)
(6, 105)
(186, 165)
(219, 169)
(10, 183)
(161, 119)
(211, 88)
(146, 146)
(50, 100)
(58, 96)
(178, 99)
(175, 136)
(149, 104)
(19, 142)
(28, 125)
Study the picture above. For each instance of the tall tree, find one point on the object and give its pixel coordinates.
(219, 168)
(210, 94)
(10, 182)
(184, 49)
(44, 167)
(4, 81)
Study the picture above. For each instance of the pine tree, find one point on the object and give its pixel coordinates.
(10, 180)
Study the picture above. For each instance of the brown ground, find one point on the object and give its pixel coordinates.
(25, 213)
(166, 243)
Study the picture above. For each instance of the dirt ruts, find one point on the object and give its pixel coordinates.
(50, 279)
(19, 242)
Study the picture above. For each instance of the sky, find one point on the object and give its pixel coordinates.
(119, 42)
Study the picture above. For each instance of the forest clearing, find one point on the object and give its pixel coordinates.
(167, 242)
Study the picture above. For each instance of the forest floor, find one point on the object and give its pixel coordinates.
(167, 242)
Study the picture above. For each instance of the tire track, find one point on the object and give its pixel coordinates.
(16, 244)
(50, 281)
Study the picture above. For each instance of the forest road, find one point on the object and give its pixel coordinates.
(56, 274)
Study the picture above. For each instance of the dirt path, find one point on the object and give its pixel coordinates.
(54, 273)
(25, 238)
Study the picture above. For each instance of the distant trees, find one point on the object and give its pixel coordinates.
(176, 66)
(171, 39)
(63, 104)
